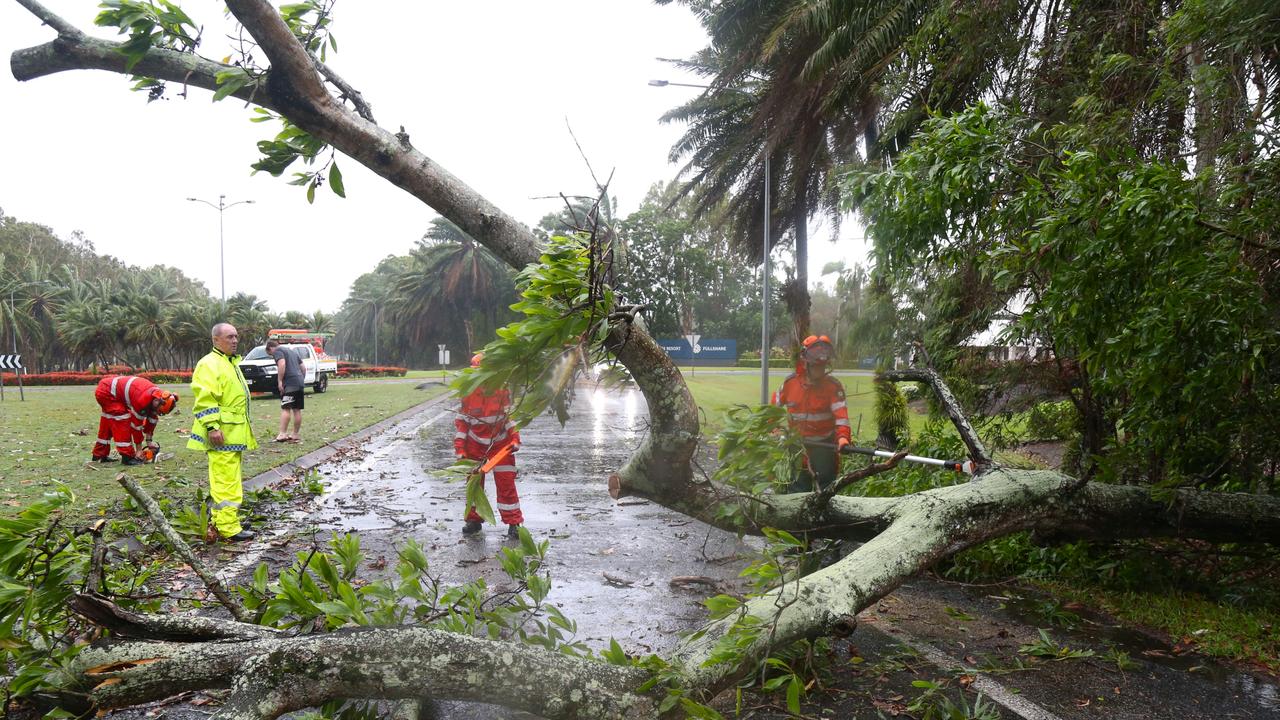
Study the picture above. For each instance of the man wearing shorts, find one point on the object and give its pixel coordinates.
(289, 380)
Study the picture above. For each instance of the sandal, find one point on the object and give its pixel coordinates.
(283, 439)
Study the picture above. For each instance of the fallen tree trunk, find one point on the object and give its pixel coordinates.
(271, 674)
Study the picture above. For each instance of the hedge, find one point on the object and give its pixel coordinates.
(773, 363)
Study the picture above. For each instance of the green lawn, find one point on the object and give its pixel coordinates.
(49, 438)
(716, 393)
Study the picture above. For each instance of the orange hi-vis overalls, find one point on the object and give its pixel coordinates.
(126, 420)
(483, 430)
(820, 416)
(818, 411)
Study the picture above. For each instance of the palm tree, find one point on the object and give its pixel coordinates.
(295, 319)
(321, 322)
(89, 329)
(249, 315)
(761, 103)
(192, 321)
(448, 283)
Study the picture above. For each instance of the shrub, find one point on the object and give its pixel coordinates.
(1052, 421)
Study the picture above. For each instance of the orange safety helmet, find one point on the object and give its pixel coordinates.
(475, 359)
(817, 349)
(168, 400)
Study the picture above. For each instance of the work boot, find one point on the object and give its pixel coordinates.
(131, 460)
(513, 532)
(471, 527)
(103, 459)
(243, 536)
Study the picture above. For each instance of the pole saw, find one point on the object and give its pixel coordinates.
(964, 466)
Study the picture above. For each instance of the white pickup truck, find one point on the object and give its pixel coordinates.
(260, 369)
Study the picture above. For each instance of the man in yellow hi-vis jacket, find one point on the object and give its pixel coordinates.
(220, 427)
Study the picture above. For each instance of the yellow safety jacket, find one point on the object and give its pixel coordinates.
(222, 403)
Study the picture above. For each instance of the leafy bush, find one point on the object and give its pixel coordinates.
(1052, 421)
(891, 414)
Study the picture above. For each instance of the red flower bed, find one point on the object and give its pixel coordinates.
(355, 370)
(67, 377)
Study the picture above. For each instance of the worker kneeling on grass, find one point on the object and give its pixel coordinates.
(486, 433)
(130, 408)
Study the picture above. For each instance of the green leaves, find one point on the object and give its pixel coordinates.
(291, 144)
(562, 333)
(310, 23)
(229, 81)
(335, 180)
(1126, 267)
(477, 499)
(757, 449)
(149, 25)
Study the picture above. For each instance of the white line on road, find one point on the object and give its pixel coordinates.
(984, 684)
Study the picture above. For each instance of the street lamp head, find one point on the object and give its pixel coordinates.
(659, 83)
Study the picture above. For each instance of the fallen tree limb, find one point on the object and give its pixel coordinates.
(210, 579)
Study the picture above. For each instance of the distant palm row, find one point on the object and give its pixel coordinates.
(71, 308)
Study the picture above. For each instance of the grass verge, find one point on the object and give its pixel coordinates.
(716, 393)
(49, 438)
(1247, 635)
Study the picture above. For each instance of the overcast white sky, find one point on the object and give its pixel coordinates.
(484, 87)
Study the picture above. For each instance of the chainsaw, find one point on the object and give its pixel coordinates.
(149, 453)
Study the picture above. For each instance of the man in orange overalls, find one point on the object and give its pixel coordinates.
(130, 408)
(815, 403)
(484, 431)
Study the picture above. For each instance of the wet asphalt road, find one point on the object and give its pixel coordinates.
(611, 562)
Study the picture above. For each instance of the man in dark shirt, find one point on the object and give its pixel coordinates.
(289, 380)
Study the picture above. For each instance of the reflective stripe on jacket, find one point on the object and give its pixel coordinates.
(221, 403)
(817, 411)
(482, 426)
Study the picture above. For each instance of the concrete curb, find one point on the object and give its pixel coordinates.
(319, 456)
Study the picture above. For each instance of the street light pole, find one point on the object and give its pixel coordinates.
(764, 320)
(222, 258)
(764, 294)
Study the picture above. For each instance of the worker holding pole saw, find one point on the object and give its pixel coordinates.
(486, 433)
(815, 404)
